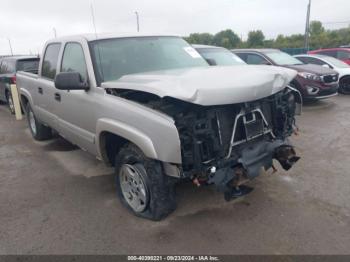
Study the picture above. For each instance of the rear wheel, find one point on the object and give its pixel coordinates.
(10, 103)
(142, 186)
(39, 131)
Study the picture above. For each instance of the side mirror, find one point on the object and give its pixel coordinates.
(211, 61)
(326, 66)
(70, 81)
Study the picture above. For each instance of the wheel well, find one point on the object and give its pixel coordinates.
(110, 145)
(24, 101)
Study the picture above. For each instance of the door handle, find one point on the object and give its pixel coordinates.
(40, 90)
(58, 97)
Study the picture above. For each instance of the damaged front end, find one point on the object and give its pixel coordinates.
(229, 145)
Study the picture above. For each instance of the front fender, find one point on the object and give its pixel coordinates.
(150, 144)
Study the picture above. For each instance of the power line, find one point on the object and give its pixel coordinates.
(336, 22)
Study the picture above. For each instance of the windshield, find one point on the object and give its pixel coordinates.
(114, 58)
(220, 56)
(335, 62)
(28, 65)
(281, 58)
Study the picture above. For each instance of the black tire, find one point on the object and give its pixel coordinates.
(344, 86)
(160, 188)
(41, 132)
(10, 104)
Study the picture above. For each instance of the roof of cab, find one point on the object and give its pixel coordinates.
(93, 37)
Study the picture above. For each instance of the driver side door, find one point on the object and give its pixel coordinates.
(76, 114)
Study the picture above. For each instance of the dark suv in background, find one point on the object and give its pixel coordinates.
(313, 81)
(8, 68)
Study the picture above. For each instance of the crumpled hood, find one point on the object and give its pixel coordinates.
(217, 85)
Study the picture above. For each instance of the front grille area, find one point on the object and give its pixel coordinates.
(327, 92)
(330, 78)
(206, 131)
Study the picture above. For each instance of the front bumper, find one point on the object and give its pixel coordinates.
(323, 92)
(253, 158)
(313, 90)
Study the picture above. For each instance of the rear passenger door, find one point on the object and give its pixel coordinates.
(44, 92)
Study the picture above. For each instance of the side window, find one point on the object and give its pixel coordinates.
(329, 53)
(305, 60)
(311, 60)
(74, 60)
(242, 56)
(253, 59)
(50, 61)
(7, 67)
(343, 55)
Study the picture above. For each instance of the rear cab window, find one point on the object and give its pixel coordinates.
(28, 65)
(49, 66)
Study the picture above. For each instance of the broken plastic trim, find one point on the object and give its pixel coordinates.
(298, 110)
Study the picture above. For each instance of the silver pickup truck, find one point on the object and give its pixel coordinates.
(152, 107)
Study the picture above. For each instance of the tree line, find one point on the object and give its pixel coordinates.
(319, 38)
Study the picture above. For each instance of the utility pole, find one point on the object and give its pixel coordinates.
(137, 21)
(93, 19)
(54, 32)
(10, 46)
(307, 26)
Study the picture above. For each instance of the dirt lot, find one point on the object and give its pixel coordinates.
(56, 199)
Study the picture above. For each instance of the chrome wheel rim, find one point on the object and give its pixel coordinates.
(133, 187)
(32, 122)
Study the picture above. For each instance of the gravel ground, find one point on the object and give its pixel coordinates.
(57, 199)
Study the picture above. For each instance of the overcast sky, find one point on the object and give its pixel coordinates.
(29, 23)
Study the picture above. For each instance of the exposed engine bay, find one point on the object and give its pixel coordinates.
(228, 145)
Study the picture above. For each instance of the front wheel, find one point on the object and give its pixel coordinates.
(142, 186)
(39, 131)
(344, 85)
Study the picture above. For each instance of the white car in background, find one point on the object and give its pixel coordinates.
(327, 61)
